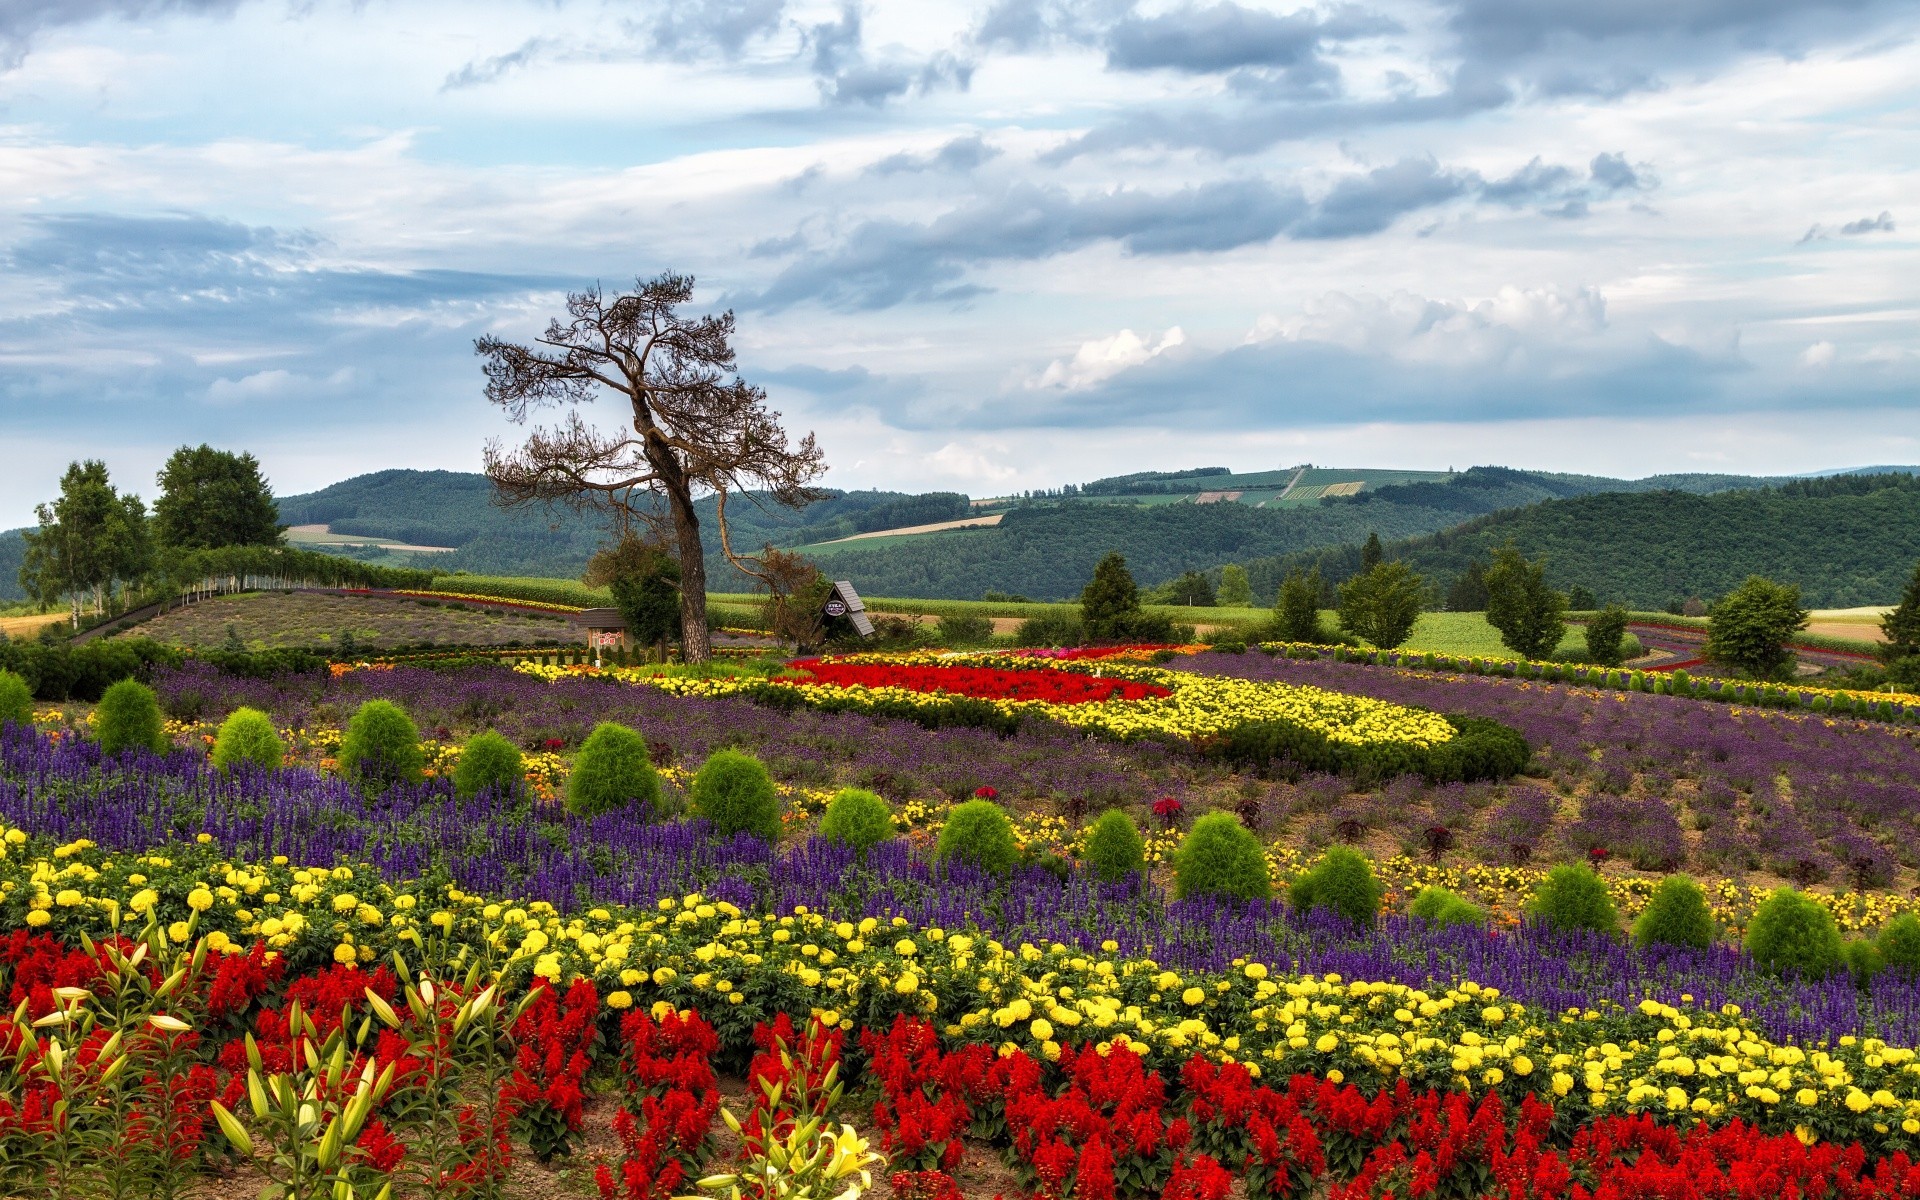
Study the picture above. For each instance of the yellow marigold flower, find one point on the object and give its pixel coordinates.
(1256, 971)
(1193, 995)
(345, 953)
(199, 899)
(38, 917)
(662, 976)
(905, 948)
(1858, 1101)
(69, 898)
(907, 984)
(1327, 1043)
(177, 931)
(619, 1000)
(1806, 1096)
(1041, 1029)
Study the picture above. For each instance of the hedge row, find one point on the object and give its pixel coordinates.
(1481, 748)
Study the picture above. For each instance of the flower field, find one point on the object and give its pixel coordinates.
(525, 985)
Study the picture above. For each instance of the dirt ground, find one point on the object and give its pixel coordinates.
(266, 620)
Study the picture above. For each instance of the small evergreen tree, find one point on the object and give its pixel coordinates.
(1677, 915)
(1115, 849)
(1530, 616)
(248, 735)
(1900, 943)
(1902, 626)
(1793, 933)
(1371, 552)
(1235, 589)
(381, 746)
(1752, 626)
(1579, 599)
(1382, 604)
(733, 791)
(1469, 592)
(645, 582)
(1442, 907)
(1220, 857)
(128, 715)
(857, 818)
(979, 834)
(488, 761)
(1607, 635)
(1297, 614)
(1572, 896)
(1343, 881)
(1110, 603)
(612, 770)
(16, 699)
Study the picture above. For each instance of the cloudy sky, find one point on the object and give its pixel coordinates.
(977, 244)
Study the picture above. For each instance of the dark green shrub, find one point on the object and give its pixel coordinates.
(979, 834)
(1219, 857)
(733, 791)
(129, 716)
(1792, 933)
(1900, 943)
(381, 746)
(858, 819)
(16, 699)
(959, 629)
(488, 761)
(612, 770)
(1050, 629)
(1573, 897)
(248, 735)
(1115, 849)
(1677, 915)
(1442, 907)
(1343, 881)
(1863, 960)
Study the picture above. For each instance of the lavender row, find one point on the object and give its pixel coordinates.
(499, 846)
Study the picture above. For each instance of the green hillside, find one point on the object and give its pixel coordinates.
(1846, 540)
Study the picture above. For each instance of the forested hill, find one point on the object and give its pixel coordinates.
(1846, 540)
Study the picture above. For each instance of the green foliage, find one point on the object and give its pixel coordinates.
(733, 791)
(1481, 748)
(129, 716)
(644, 581)
(1235, 589)
(1220, 857)
(1573, 897)
(1752, 625)
(1606, 636)
(858, 819)
(1110, 601)
(1791, 933)
(1902, 625)
(381, 746)
(1676, 915)
(1371, 553)
(1191, 589)
(1382, 604)
(488, 761)
(1115, 849)
(962, 629)
(1900, 943)
(1297, 611)
(1530, 616)
(1862, 959)
(1053, 629)
(88, 539)
(59, 670)
(612, 770)
(1442, 907)
(1343, 881)
(1468, 592)
(248, 735)
(16, 699)
(1579, 599)
(978, 834)
(211, 498)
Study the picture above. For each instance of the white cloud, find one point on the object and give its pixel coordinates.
(1099, 360)
(1820, 354)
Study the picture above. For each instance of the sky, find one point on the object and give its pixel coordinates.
(981, 246)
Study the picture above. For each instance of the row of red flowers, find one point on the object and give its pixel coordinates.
(985, 683)
(1095, 1125)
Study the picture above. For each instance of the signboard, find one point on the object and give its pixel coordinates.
(606, 637)
(843, 601)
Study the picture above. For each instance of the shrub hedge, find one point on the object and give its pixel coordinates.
(1481, 748)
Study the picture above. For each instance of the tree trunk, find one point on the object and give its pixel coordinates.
(695, 644)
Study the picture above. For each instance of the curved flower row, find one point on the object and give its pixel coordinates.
(1193, 707)
(739, 968)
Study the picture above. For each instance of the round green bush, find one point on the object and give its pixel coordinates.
(1863, 960)
(1442, 907)
(1900, 943)
(129, 716)
(858, 819)
(16, 699)
(488, 761)
(612, 770)
(1677, 915)
(1115, 849)
(733, 791)
(381, 746)
(1792, 933)
(1220, 857)
(979, 834)
(1573, 897)
(248, 735)
(1342, 881)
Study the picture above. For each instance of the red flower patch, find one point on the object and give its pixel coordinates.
(983, 683)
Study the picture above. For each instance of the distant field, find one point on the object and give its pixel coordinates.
(268, 620)
(30, 625)
(912, 530)
(317, 535)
